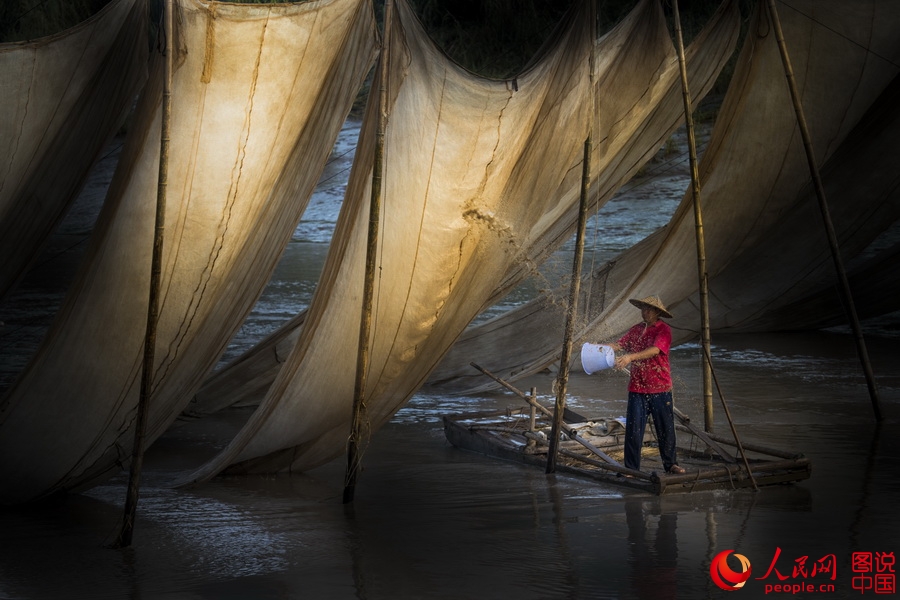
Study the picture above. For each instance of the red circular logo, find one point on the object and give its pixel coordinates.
(724, 577)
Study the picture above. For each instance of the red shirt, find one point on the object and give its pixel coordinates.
(651, 375)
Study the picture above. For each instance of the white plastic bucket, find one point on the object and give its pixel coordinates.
(597, 357)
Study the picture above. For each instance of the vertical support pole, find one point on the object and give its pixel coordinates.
(532, 417)
(574, 291)
(359, 419)
(702, 274)
(575, 287)
(137, 457)
(844, 284)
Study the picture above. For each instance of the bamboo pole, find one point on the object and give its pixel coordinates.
(701, 253)
(703, 276)
(801, 464)
(573, 435)
(359, 425)
(756, 447)
(502, 382)
(703, 435)
(574, 290)
(734, 432)
(532, 401)
(532, 413)
(137, 456)
(603, 464)
(532, 416)
(844, 284)
(575, 286)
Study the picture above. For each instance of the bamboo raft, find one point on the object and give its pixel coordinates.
(595, 449)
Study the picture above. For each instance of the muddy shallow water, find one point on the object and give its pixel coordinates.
(432, 521)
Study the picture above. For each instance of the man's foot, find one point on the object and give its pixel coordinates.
(676, 470)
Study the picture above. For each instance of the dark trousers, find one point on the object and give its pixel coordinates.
(659, 406)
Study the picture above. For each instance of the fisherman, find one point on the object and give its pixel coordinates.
(646, 346)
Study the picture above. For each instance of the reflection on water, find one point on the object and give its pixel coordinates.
(653, 549)
(432, 521)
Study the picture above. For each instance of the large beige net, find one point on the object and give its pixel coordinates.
(768, 258)
(63, 98)
(259, 96)
(481, 182)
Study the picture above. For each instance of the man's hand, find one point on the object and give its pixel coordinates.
(626, 359)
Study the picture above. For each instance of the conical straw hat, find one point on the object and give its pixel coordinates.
(652, 302)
